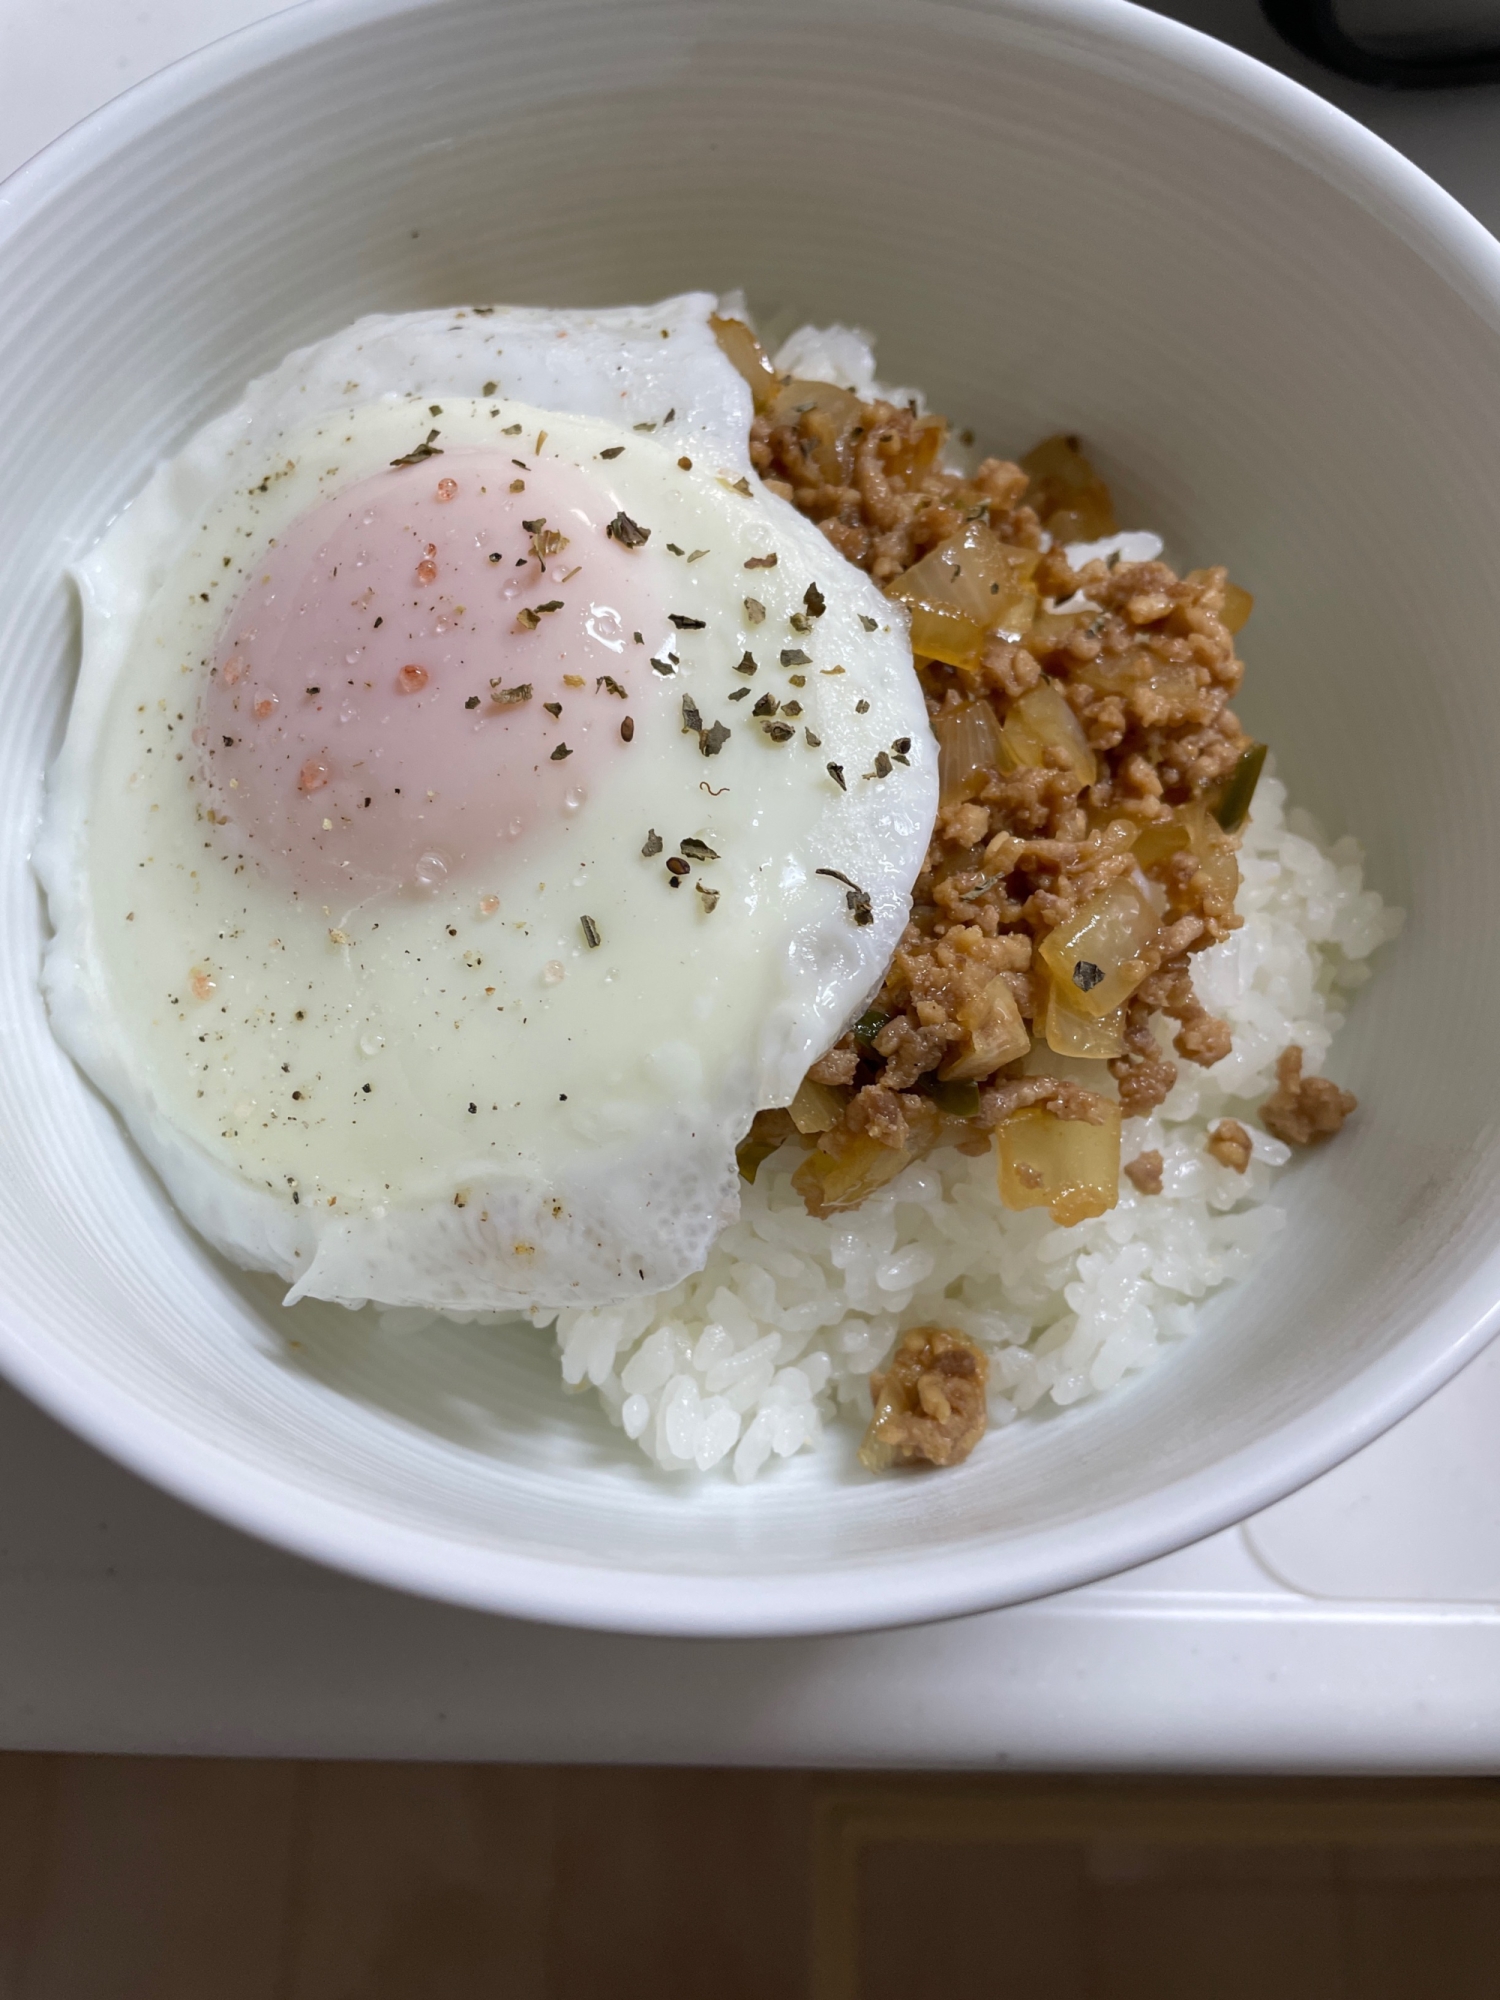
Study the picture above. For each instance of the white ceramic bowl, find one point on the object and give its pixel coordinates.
(1284, 343)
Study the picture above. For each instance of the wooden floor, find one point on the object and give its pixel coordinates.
(156, 1879)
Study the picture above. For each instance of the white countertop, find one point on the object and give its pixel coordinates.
(1354, 1627)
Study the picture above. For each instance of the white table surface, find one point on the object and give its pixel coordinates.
(1354, 1627)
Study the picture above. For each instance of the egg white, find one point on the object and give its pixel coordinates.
(599, 1161)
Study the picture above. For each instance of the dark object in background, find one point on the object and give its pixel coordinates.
(1416, 61)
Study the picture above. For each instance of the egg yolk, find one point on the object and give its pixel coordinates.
(429, 667)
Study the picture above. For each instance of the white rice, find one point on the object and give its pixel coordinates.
(777, 1335)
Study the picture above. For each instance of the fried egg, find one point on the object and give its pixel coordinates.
(481, 797)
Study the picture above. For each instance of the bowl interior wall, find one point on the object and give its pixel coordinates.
(1045, 230)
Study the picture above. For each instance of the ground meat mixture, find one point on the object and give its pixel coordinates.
(1144, 1172)
(929, 1401)
(1087, 751)
(1229, 1143)
(1304, 1109)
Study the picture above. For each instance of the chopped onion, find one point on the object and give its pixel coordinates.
(1072, 1033)
(751, 1154)
(817, 1107)
(1097, 948)
(1160, 839)
(1215, 850)
(740, 347)
(996, 1035)
(1238, 604)
(829, 1185)
(919, 452)
(1065, 490)
(1042, 721)
(1142, 674)
(1049, 631)
(1192, 826)
(965, 588)
(827, 417)
(969, 750)
(1064, 1165)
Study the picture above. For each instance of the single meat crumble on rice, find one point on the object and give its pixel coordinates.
(1097, 898)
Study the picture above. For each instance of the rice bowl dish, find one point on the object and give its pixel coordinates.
(713, 1339)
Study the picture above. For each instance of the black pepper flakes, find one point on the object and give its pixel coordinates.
(609, 681)
(740, 694)
(779, 732)
(1087, 975)
(590, 932)
(472, 702)
(424, 450)
(882, 764)
(767, 705)
(531, 615)
(713, 739)
(684, 623)
(662, 666)
(857, 900)
(708, 897)
(793, 656)
(553, 707)
(560, 752)
(653, 843)
(870, 624)
(816, 603)
(755, 611)
(762, 562)
(813, 742)
(692, 721)
(836, 772)
(745, 664)
(510, 697)
(629, 534)
(697, 850)
(861, 708)
(612, 451)
(489, 388)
